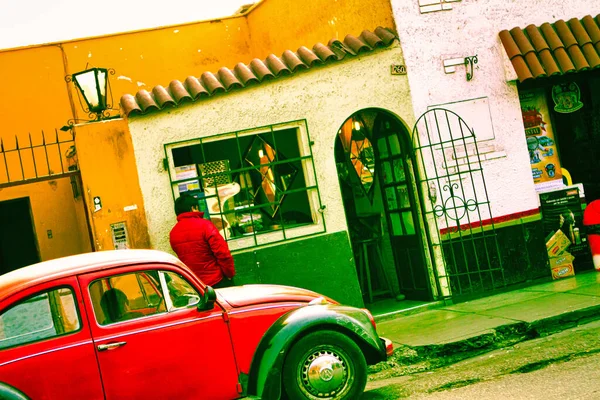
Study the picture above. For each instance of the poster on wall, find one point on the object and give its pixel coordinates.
(541, 144)
(561, 210)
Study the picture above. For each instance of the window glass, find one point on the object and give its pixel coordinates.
(44, 316)
(396, 224)
(248, 184)
(409, 225)
(128, 296)
(181, 292)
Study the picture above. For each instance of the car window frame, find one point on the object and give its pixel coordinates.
(85, 281)
(25, 298)
(136, 272)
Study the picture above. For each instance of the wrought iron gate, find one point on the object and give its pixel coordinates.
(455, 203)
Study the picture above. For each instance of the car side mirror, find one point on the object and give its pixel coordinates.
(207, 302)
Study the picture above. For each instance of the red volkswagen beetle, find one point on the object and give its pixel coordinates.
(137, 324)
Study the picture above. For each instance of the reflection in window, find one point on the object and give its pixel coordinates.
(129, 296)
(40, 317)
(181, 293)
(274, 179)
(358, 148)
(248, 184)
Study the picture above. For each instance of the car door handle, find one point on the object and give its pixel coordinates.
(110, 346)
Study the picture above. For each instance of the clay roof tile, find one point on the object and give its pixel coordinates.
(195, 87)
(129, 105)
(551, 37)
(308, 57)
(277, 66)
(565, 34)
(245, 74)
(324, 53)
(228, 79)
(162, 96)
(257, 71)
(521, 40)
(512, 50)
(261, 70)
(145, 101)
(552, 49)
(385, 34)
(292, 60)
(521, 68)
(536, 38)
(178, 91)
(371, 39)
(591, 28)
(356, 44)
(211, 83)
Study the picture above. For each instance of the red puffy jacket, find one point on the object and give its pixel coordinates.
(201, 247)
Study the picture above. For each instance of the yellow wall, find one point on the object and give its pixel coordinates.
(108, 170)
(278, 25)
(54, 208)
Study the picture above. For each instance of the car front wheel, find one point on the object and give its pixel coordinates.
(324, 365)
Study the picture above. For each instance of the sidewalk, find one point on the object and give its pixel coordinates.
(458, 331)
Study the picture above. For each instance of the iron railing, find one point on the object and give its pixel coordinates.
(31, 160)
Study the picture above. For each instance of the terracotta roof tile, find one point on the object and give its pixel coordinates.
(553, 48)
(195, 88)
(245, 74)
(257, 71)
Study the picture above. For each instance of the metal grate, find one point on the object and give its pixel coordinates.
(42, 158)
(212, 173)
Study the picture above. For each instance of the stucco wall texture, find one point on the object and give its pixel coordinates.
(324, 96)
(471, 28)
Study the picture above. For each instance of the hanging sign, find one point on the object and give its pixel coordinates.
(566, 98)
(543, 157)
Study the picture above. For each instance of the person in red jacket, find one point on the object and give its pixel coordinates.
(200, 246)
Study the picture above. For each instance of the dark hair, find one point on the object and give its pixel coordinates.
(184, 203)
(112, 303)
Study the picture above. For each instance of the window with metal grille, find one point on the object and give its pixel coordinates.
(257, 186)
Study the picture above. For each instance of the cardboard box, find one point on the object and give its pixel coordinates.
(557, 244)
(562, 266)
(563, 259)
(563, 271)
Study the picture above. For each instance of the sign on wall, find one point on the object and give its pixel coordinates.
(541, 144)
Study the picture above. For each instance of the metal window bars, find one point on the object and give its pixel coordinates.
(213, 175)
(39, 159)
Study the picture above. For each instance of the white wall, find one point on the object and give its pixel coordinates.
(471, 28)
(324, 96)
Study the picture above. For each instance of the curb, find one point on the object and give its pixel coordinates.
(422, 358)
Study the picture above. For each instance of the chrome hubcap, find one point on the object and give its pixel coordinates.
(324, 373)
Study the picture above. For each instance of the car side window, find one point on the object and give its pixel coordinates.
(181, 292)
(127, 296)
(43, 316)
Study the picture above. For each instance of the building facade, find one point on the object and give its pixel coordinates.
(394, 160)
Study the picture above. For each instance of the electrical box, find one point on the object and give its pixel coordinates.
(120, 236)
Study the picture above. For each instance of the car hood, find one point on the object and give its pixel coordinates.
(246, 295)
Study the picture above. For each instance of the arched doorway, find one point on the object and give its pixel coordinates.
(375, 169)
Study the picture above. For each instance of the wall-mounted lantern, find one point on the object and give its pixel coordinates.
(94, 86)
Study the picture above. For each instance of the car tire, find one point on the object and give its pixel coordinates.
(324, 365)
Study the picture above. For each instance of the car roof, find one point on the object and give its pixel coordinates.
(19, 279)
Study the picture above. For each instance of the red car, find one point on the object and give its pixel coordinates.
(137, 324)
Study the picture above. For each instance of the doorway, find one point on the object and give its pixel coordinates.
(375, 170)
(18, 244)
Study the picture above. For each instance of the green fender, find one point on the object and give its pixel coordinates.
(10, 393)
(265, 371)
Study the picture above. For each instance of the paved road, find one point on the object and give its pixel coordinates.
(561, 366)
